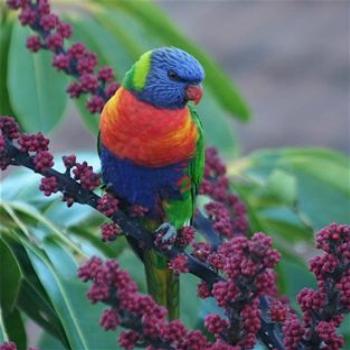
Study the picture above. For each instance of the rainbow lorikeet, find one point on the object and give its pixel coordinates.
(151, 150)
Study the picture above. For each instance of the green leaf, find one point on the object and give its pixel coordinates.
(90, 120)
(283, 186)
(30, 181)
(218, 130)
(11, 278)
(273, 217)
(57, 274)
(79, 215)
(15, 329)
(48, 342)
(154, 20)
(281, 220)
(38, 308)
(3, 334)
(189, 301)
(298, 278)
(109, 51)
(36, 90)
(130, 262)
(321, 180)
(103, 249)
(32, 298)
(6, 25)
(44, 227)
(345, 331)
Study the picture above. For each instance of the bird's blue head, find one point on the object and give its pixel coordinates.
(166, 78)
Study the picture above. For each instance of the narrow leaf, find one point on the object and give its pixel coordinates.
(3, 334)
(5, 34)
(15, 329)
(36, 90)
(11, 278)
(67, 294)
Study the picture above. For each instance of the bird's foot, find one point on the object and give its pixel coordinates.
(165, 236)
(108, 188)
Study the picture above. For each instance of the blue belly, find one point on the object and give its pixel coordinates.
(139, 184)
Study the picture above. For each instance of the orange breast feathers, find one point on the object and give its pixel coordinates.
(149, 136)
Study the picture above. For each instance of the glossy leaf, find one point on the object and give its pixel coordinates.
(58, 275)
(156, 21)
(6, 25)
(32, 298)
(3, 334)
(48, 342)
(345, 331)
(11, 278)
(81, 234)
(218, 130)
(298, 278)
(103, 249)
(109, 51)
(39, 225)
(15, 329)
(36, 90)
(38, 308)
(283, 186)
(129, 261)
(321, 181)
(189, 301)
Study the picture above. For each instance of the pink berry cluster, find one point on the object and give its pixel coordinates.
(237, 273)
(8, 346)
(247, 265)
(9, 132)
(110, 231)
(108, 205)
(179, 264)
(324, 307)
(82, 173)
(183, 238)
(226, 211)
(86, 176)
(76, 60)
(145, 320)
(36, 145)
(12, 346)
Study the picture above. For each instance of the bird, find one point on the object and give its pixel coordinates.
(151, 149)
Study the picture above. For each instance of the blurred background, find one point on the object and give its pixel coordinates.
(290, 60)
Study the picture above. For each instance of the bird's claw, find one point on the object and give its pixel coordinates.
(168, 233)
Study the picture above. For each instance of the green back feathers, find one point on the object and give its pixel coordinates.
(180, 212)
(198, 162)
(136, 76)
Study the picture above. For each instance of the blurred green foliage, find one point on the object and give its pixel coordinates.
(289, 193)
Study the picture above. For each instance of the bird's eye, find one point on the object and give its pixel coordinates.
(172, 75)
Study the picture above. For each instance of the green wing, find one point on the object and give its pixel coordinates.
(198, 162)
(180, 212)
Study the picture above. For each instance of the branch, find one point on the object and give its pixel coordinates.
(31, 152)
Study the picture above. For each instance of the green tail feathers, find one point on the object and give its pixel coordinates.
(163, 284)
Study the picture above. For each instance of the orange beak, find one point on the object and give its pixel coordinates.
(194, 93)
